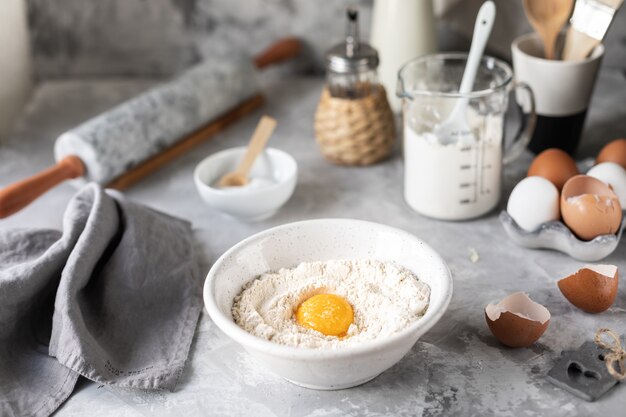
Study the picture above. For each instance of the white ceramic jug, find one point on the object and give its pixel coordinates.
(401, 31)
(15, 62)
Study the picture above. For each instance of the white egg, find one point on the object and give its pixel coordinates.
(614, 175)
(533, 201)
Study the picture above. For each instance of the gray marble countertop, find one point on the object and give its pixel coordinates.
(457, 368)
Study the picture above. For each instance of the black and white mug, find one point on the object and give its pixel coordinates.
(562, 91)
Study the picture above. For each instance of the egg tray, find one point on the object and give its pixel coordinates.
(556, 236)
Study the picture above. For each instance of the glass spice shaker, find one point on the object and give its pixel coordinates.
(354, 124)
(351, 65)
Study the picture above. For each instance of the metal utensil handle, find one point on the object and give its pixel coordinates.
(527, 126)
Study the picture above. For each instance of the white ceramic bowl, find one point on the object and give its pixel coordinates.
(320, 240)
(247, 203)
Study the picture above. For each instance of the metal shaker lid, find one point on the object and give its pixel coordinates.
(351, 56)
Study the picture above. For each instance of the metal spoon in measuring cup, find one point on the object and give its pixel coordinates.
(257, 143)
(455, 128)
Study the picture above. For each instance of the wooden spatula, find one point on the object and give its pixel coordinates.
(547, 17)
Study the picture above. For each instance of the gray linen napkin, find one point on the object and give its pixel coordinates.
(115, 298)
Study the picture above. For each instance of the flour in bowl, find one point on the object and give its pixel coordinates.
(385, 299)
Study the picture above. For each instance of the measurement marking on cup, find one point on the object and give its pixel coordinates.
(465, 201)
(466, 167)
(477, 174)
(467, 184)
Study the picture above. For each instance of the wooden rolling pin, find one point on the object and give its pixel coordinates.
(128, 142)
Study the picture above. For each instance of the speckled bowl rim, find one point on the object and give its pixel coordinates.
(248, 340)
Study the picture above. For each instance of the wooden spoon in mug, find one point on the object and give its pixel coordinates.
(257, 143)
(547, 17)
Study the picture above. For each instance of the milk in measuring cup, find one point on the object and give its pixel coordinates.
(455, 181)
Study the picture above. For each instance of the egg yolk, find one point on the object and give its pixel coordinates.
(329, 314)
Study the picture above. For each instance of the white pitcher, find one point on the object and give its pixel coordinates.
(401, 31)
(15, 62)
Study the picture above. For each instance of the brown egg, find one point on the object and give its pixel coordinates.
(517, 321)
(614, 151)
(590, 208)
(592, 289)
(554, 165)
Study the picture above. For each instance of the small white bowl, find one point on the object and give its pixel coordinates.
(320, 240)
(247, 203)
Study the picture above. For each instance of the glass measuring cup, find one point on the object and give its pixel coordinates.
(445, 178)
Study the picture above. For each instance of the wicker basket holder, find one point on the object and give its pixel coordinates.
(355, 131)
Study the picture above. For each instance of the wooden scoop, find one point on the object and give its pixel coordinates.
(547, 18)
(257, 143)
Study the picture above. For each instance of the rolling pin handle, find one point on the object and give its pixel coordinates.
(279, 51)
(15, 197)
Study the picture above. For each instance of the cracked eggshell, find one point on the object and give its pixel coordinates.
(517, 321)
(592, 288)
(590, 208)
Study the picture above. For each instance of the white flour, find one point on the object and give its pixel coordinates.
(386, 298)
